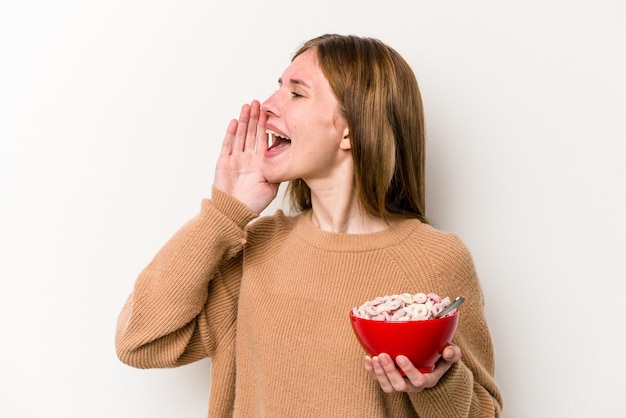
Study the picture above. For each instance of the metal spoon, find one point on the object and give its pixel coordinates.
(455, 304)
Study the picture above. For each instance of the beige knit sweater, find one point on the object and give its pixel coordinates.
(268, 301)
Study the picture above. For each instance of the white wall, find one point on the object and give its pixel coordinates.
(111, 114)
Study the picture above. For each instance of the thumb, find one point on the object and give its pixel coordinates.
(451, 354)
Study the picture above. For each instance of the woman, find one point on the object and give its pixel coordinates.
(268, 300)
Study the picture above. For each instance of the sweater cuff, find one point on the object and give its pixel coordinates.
(454, 390)
(230, 207)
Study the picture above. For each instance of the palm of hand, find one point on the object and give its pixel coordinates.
(238, 170)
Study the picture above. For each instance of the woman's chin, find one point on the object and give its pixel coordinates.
(272, 177)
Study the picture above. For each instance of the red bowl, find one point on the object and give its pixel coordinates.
(421, 341)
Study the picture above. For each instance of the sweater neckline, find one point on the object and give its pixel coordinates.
(310, 233)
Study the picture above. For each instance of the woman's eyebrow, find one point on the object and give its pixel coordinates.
(295, 81)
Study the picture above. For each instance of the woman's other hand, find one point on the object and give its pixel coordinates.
(383, 369)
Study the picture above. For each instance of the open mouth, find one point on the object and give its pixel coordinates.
(275, 139)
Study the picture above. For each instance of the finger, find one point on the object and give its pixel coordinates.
(242, 129)
(251, 133)
(381, 375)
(412, 373)
(227, 143)
(395, 378)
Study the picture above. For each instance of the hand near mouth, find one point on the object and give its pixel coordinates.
(238, 170)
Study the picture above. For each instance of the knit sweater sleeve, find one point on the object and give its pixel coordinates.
(184, 301)
(468, 389)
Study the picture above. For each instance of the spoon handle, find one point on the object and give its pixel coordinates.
(455, 304)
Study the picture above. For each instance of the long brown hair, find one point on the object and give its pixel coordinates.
(379, 97)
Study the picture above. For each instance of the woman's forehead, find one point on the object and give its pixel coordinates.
(304, 70)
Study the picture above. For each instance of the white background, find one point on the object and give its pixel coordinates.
(111, 115)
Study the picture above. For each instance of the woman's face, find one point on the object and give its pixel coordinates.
(310, 137)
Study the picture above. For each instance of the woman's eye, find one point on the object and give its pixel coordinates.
(296, 95)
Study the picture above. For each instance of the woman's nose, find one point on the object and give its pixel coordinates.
(269, 105)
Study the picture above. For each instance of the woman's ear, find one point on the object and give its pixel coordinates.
(345, 143)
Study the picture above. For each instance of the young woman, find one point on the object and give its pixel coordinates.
(267, 299)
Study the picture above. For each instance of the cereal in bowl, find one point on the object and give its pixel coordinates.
(402, 307)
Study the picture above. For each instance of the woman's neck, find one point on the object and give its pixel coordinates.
(336, 209)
